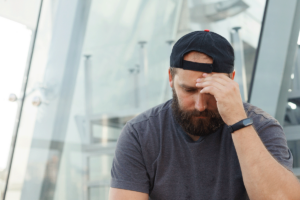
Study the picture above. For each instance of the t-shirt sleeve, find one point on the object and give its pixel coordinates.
(128, 169)
(273, 137)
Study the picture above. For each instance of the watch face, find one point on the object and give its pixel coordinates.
(248, 122)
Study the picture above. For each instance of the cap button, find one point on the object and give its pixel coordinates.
(206, 30)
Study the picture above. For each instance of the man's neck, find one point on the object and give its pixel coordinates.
(195, 138)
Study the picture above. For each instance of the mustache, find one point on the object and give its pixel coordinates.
(197, 113)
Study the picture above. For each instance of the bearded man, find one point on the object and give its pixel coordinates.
(205, 143)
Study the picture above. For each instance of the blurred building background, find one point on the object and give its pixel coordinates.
(74, 71)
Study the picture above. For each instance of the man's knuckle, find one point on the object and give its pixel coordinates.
(235, 86)
(232, 86)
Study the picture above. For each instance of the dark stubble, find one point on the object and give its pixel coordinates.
(196, 126)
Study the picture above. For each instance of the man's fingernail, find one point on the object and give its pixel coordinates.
(198, 80)
(204, 74)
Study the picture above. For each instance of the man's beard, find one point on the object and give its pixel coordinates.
(196, 126)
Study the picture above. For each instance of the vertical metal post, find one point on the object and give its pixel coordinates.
(239, 62)
(167, 93)
(86, 177)
(134, 72)
(136, 86)
(143, 76)
(295, 86)
(88, 85)
(88, 98)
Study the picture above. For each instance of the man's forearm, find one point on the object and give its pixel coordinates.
(121, 194)
(263, 176)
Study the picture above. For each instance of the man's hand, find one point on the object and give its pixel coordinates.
(227, 94)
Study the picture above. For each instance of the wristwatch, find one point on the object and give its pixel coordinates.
(241, 124)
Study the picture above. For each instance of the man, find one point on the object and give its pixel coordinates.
(205, 143)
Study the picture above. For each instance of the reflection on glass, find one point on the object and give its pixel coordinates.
(292, 115)
(294, 146)
(122, 72)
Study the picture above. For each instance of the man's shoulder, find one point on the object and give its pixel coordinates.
(255, 111)
(259, 116)
(153, 114)
(150, 126)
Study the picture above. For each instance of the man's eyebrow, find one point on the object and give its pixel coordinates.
(188, 87)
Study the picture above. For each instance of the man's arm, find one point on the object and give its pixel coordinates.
(128, 172)
(120, 194)
(263, 176)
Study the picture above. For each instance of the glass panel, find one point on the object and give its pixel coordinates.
(99, 193)
(99, 67)
(292, 115)
(294, 146)
(17, 27)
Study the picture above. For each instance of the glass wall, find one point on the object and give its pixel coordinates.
(275, 87)
(292, 116)
(17, 28)
(98, 64)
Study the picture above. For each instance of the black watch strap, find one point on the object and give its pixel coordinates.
(241, 124)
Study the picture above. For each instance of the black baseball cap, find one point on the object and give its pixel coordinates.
(209, 43)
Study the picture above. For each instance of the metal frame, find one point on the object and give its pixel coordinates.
(293, 133)
(239, 63)
(276, 57)
(89, 151)
(295, 86)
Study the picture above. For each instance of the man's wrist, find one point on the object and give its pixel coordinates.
(240, 125)
(236, 119)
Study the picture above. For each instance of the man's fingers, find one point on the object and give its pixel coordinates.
(211, 90)
(212, 79)
(220, 78)
(211, 83)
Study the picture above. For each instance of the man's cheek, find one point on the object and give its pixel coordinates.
(185, 103)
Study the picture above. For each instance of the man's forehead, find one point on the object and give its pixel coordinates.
(187, 77)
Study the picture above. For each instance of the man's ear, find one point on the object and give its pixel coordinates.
(233, 75)
(170, 78)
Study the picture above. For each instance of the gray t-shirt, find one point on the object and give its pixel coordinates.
(155, 156)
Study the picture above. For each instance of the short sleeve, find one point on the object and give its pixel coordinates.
(274, 139)
(128, 169)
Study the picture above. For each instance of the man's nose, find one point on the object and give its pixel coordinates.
(200, 102)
